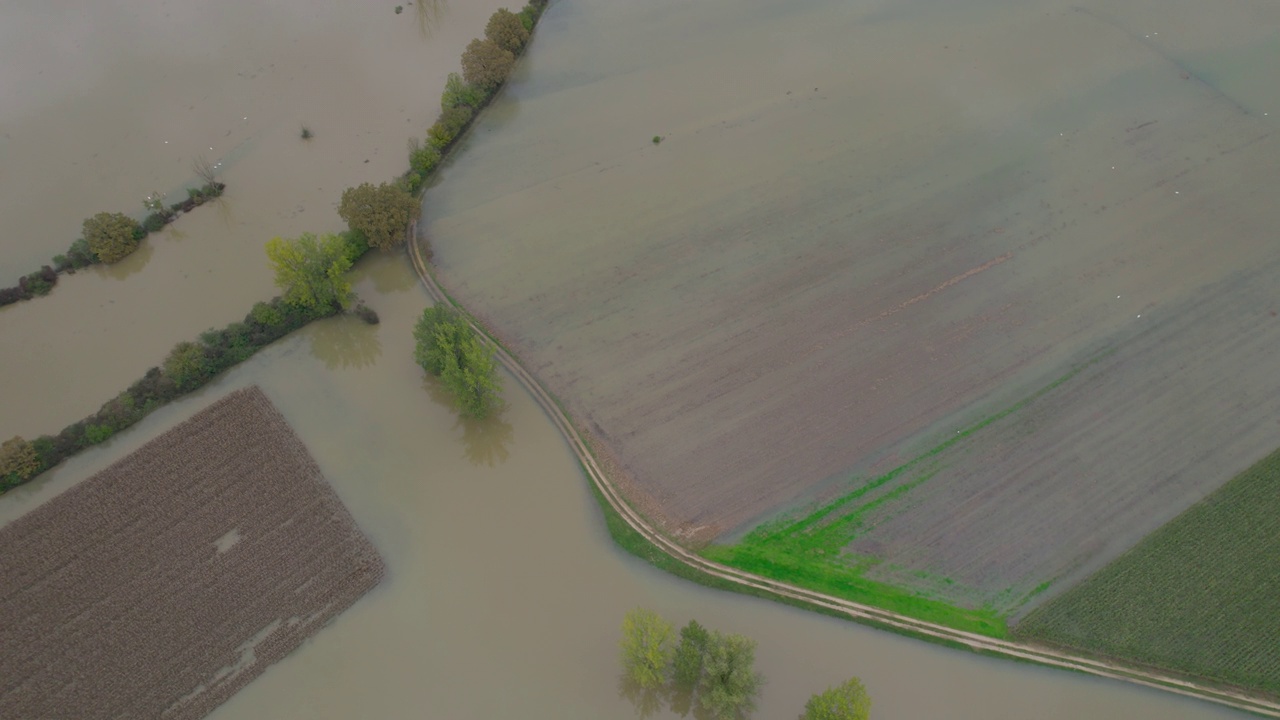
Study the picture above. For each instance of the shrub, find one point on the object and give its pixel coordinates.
(528, 17)
(155, 222)
(265, 315)
(37, 283)
(81, 255)
(506, 31)
(112, 236)
(458, 92)
(61, 263)
(11, 295)
(423, 158)
(380, 214)
(448, 126)
(187, 365)
(485, 64)
(19, 459)
(96, 434)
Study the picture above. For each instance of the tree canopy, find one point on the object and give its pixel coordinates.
(646, 647)
(730, 683)
(112, 236)
(311, 271)
(382, 213)
(18, 459)
(507, 31)
(485, 64)
(687, 666)
(447, 347)
(846, 701)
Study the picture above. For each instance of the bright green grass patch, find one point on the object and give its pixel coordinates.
(1200, 596)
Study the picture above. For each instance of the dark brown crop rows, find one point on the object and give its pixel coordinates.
(165, 583)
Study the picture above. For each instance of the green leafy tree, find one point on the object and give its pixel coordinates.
(382, 213)
(312, 270)
(686, 668)
(730, 683)
(187, 365)
(18, 459)
(457, 92)
(646, 647)
(507, 31)
(423, 158)
(446, 346)
(112, 236)
(846, 701)
(486, 65)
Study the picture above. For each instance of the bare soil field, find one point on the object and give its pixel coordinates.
(165, 583)
(867, 229)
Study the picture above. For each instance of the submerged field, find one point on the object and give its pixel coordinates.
(1200, 596)
(165, 583)
(982, 295)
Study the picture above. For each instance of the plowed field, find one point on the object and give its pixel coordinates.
(163, 584)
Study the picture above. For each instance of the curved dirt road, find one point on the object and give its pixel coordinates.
(855, 611)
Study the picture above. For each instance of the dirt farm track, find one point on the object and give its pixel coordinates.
(162, 585)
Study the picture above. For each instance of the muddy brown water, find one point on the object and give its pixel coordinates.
(504, 593)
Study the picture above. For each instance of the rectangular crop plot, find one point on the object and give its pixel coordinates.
(1200, 596)
(162, 585)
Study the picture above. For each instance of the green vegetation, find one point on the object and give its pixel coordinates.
(657, 139)
(448, 348)
(686, 665)
(846, 701)
(457, 93)
(18, 460)
(646, 648)
(507, 31)
(1199, 596)
(312, 270)
(730, 685)
(380, 213)
(486, 65)
(449, 126)
(112, 236)
(306, 133)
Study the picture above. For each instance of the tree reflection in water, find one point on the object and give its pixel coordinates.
(345, 342)
(484, 442)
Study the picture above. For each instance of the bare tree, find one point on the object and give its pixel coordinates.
(205, 170)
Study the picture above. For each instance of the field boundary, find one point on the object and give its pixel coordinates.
(858, 612)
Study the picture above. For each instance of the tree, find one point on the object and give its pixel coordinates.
(457, 92)
(18, 459)
(847, 701)
(729, 682)
(687, 665)
(312, 271)
(646, 647)
(187, 365)
(507, 31)
(112, 236)
(446, 346)
(381, 213)
(486, 65)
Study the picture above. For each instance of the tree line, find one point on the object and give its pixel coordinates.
(714, 671)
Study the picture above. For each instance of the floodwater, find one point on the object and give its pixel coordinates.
(504, 593)
(106, 102)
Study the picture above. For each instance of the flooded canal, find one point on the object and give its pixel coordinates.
(504, 593)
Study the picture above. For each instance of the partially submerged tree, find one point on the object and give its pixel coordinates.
(458, 92)
(730, 683)
(686, 668)
(311, 271)
(382, 213)
(646, 647)
(486, 65)
(112, 236)
(187, 366)
(846, 701)
(507, 31)
(446, 346)
(18, 459)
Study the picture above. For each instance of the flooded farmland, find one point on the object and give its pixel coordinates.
(771, 252)
(504, 594)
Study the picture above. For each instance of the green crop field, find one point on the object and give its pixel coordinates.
(1201, 595)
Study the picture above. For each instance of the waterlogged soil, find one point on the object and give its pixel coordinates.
(106, 102)
(499, 565)
(867, 226)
